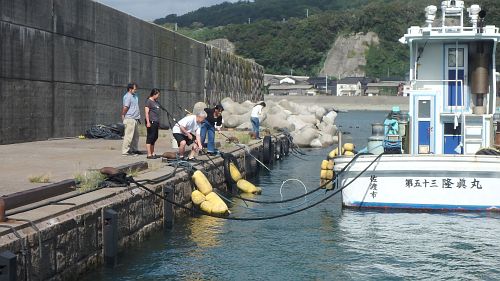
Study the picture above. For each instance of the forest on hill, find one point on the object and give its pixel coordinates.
(300, 43)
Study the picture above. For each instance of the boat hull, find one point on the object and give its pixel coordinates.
(423, 182)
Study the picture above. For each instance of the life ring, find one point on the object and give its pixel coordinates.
(267, 153)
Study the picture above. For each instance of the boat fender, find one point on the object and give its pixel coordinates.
(197, 197)
(348, 153)
(267, 152)
(201, 182)
(248, 187)
(349, 147)
(327, 165)
(326, 184)
(326, 174)
(334, 153)
(231, 176)
(215, 206)
(488, 151)
(235, 173)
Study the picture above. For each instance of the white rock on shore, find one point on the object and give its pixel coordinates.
(310, 126)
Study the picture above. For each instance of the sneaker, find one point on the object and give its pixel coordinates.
(212, 153)
(130, 154)
(152, 157)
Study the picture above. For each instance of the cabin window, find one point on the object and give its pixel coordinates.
(424, 109)
(453, 58)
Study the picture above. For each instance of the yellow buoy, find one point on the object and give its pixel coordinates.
(326, 184)
(248, 187)
(235, 173)
(330, 165)
(206, 206)
(329, 174)
(324, 165)
(322, 174)
(202, 183)
(197, 197)
(334, 153)
(215, 205)
(348, 146)
(349, 153)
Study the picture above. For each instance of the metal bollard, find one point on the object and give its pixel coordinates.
(168, 208)
(110, 236)
(8, 268)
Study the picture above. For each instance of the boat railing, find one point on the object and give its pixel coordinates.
(489, 29)
(459, 84)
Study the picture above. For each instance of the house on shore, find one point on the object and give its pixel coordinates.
(353, 86)
(283, 85)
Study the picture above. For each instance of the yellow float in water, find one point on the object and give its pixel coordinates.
(235, 173)
(202, 183)
(214, 205)
(197, 197)
(248, 187)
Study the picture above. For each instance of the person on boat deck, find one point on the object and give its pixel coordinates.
(212, 122)
(254, 118)
(187, 132)
(391, 124)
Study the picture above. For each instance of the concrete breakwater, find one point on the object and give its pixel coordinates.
(65, 240)
(64, 66)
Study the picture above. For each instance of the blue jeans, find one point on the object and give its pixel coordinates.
(255, 125)
(208, 128)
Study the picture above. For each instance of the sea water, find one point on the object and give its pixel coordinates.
(324, 242)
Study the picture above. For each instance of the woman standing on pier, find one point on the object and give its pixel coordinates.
(152, 111)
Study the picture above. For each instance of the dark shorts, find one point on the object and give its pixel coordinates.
(152, 131)
(182, 137)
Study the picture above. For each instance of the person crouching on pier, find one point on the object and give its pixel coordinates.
(187, 132)
(212, 123)
(152, 110)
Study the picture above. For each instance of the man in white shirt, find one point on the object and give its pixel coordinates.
(254, 118)
(187, 132)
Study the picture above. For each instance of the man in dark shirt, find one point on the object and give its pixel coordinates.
(213, 121)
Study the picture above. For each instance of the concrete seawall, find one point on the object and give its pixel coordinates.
(67, 239)
(64, 65)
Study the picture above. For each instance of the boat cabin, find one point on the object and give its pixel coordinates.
(453, 81)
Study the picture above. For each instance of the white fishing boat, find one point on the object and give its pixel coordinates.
(431, 160)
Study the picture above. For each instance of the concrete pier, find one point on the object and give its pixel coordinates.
(65, 239)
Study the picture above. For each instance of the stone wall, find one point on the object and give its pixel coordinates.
(72, 240)
(65, 64)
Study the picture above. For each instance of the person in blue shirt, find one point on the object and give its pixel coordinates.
(131, 116)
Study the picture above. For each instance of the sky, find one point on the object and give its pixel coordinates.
(149, 10)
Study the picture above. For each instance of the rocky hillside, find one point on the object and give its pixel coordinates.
(347, 57)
